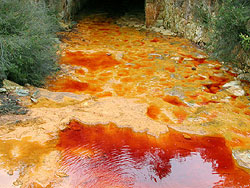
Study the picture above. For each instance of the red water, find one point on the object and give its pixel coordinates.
(105, 156)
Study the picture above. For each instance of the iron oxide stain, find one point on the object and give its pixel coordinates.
(217, 84)
(174, 100)
(93, 61)
(106, 156)
(68, 85)
(153, 111)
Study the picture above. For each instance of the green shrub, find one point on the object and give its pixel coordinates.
(28, 42)
(228, 32)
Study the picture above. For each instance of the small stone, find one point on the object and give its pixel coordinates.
(3, 90)
(186, 136)
(175, 58)
(199, 56)
(188, 59)
(224, 68)
(108, 54)
(85, 104)
(10, 172)
(119, 56)
(34, 100)
(167, 33)
(158, 56)
(62, 174)
(214, 97)
(17, 183)
(193, 68)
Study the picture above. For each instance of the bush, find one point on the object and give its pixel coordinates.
(228, 31)
(28, 42)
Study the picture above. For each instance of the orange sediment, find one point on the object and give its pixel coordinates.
(182, 89)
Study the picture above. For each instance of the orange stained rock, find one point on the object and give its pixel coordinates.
(193, 79)
(123, 73)
(222, 80)
(181, 114)
(237, 111)
(127, 79)
(141, 89)
(194, 96)
(80, 71)
(170, 69)
(153, 111)
(93, 61)
(199, 62)
(69, 85)
(206, 101)
(236, 142)
(217, 84)
(213, 88)
(36, 185)
(247, 112)
(174, 100)
(240, 105)
(155, 40)
(245, 133)
(107, 156)
(105, 94)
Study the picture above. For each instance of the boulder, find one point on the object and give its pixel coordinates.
(235, 88)
(242, 157)
(10, 86)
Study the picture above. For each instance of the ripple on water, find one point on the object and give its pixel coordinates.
(106, 156)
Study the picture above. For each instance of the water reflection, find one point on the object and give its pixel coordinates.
(6, 181)
(107, 156)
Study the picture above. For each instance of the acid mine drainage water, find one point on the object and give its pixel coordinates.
(185, 127)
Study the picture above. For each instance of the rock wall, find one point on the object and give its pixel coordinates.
(179, 17)
(66, 8)
(175, 15)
